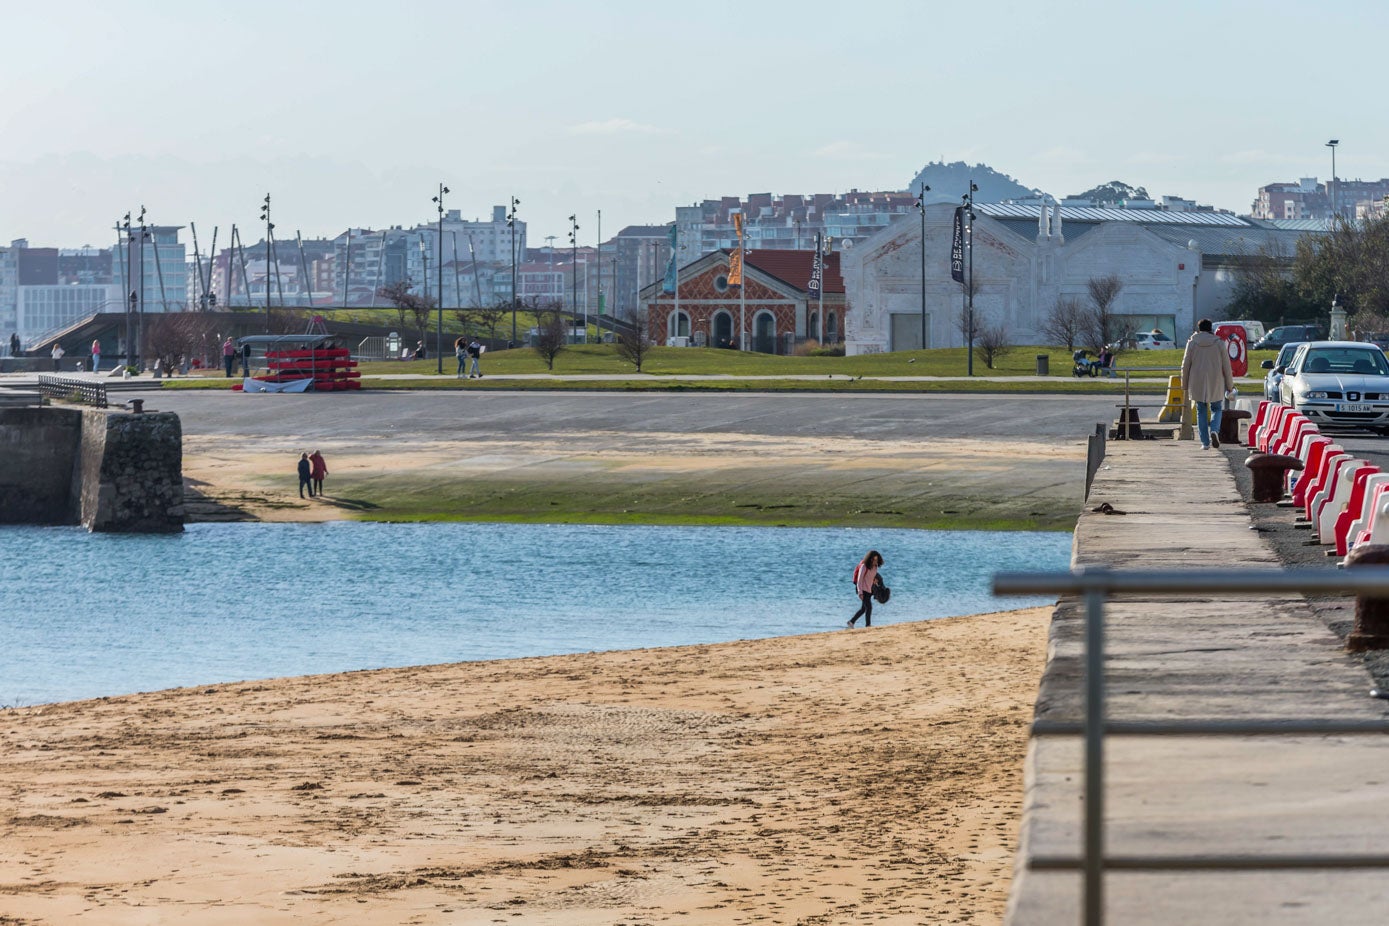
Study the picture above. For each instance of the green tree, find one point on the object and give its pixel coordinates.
(1349, 263)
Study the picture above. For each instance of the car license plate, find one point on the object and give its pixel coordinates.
(1346, 407)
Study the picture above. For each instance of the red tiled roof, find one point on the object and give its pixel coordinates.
(793, 267)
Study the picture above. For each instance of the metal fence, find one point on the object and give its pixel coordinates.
(1095, 586)
(71, 388)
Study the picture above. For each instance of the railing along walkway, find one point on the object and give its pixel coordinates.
(1203, 750)
(87, 391)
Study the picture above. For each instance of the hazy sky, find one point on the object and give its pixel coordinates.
(350, 113)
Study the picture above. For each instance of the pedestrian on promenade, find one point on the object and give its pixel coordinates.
(245, 360)
(57, 357)
(14, 344)
(460, 352)
(305, 475)
(475, 352)
(228, 356)
(1206, 380)
(96, 355)
(865, 575)
(319, 470)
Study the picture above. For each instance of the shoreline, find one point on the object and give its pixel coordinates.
(843, 775)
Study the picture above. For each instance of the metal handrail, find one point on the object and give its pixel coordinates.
(1095, 585)
(91, 392)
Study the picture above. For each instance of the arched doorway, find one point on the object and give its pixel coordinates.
(812, 328)
(678, 325)
(723, 329)
(831, 328)
(764, 333)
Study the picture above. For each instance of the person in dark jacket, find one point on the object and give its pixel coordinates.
(305, 475)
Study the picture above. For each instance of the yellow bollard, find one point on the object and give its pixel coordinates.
(1172, 410)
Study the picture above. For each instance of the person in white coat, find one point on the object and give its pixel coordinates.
(1206, 380)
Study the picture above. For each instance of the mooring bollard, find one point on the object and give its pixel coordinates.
(1371, 630)
(137, 406)
(1268, 470)
(1229, 425)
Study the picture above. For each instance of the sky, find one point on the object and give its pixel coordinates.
(351, 114)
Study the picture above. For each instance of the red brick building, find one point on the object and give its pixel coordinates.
(775, 311)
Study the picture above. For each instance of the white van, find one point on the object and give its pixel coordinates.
(1253, 331)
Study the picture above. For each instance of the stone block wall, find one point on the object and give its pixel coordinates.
(37, 450)
(109, 471)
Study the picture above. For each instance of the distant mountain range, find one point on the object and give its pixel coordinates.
(949, 182)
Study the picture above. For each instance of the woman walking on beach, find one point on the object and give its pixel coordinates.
(317, 470)
(865, 574)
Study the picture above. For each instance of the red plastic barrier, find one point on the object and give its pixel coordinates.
(1355, 508)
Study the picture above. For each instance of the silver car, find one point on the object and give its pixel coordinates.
(1342, 383)
(1275, 369)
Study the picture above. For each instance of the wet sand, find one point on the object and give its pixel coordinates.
(867, 776)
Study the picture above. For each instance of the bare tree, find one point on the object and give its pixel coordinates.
(421, 309)
(991, 341)
(1065, 323)
(398, 294)
(553, 334)
(174, 335)
(632, 343)
(490, 317)
(968, 321)
(1100, 322)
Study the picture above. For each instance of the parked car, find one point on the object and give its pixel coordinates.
(1253, 331)
(1342, 383)
(1286, 334)
(1274, 376)
(1379, 339)
(1153, 340)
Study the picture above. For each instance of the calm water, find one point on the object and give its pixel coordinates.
(84, 615)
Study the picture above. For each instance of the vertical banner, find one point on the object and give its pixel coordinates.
(735, 260)
(668, 284)
(817, 267)
(957, 247)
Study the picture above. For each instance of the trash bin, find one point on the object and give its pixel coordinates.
(1043, 364)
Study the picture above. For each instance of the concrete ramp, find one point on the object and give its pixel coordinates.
(1242, 657)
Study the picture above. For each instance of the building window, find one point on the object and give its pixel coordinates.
(721, 283)
(679, 325)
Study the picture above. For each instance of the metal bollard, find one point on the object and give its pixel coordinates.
(1229, 425)
(1371, 630)
(1268, 470)
(137, 406)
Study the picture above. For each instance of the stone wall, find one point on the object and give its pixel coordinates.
(108, 471)
(37, 449)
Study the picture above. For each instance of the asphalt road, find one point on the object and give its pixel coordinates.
(518, 415)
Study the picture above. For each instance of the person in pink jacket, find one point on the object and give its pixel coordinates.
(865, 574)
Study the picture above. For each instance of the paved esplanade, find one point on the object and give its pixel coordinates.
(1242, 657)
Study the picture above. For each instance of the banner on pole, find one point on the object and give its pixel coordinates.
(735, 260)
(668, 284)
(817, 267)
(957, 247)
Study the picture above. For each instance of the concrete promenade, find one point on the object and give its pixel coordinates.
(1243, 657)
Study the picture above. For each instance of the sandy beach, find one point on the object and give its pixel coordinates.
(868, 776)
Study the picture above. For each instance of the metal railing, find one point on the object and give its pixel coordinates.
(90, 392)
(1095, 585)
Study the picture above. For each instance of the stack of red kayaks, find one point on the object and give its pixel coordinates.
(330, 369)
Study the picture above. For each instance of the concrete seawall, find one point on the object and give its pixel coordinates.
(1243, 657)
(108, 471)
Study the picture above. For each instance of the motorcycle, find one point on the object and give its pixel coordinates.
(1086, 368)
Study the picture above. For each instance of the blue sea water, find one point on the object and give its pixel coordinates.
(86, 615)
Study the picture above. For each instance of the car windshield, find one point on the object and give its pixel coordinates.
(1286, 353)
(1345, 360)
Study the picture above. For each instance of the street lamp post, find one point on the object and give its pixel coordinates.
(574, 266)
(1332, 145)
(439, 337)
(921, 207)
(969, 276)
(269, 229)
(511, 224)
(140, 306)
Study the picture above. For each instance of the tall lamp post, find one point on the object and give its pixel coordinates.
(574, 264)
(1332, 145)
(439, 337)
(511, 224)
(269, 229)
(968, 199)
(921, 207)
